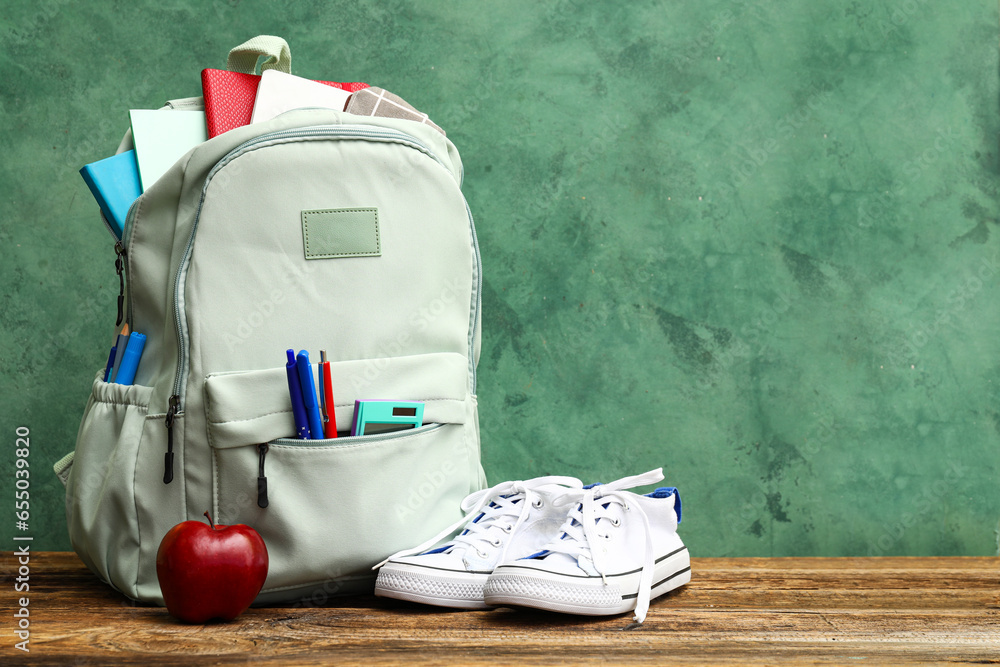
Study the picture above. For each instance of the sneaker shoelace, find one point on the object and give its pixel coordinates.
(584, 523)
(502, 507)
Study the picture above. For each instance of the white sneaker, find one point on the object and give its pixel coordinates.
(509, 521)
(615, 552)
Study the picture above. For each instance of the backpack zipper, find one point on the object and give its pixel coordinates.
(478, 300)
(335, 132)
(122, 266)
(108, 226)
(168, 458)
(120, 270)
(262, 501)
(262, 449)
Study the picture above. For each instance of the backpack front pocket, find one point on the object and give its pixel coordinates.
(330, 509)
(335, 508)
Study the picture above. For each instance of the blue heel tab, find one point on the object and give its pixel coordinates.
(666, 492)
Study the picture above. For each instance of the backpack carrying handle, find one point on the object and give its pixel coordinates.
(244, 57)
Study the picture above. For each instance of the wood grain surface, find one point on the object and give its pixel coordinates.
(735, 611)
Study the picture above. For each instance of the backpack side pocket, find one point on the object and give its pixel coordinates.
(100, 503)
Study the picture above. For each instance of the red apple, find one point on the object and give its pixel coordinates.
(208, 571)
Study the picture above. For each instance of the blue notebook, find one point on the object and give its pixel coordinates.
(115, 184)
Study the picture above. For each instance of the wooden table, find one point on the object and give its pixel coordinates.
(843, 611)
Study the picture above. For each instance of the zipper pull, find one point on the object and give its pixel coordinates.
(261, 477)
(120, 269)
(168, 458)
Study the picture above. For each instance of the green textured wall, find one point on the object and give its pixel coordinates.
(753, 242)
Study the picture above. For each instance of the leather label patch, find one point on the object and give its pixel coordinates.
(341, 232)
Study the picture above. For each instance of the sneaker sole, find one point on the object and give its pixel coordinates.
(428, 585)
(528, 586)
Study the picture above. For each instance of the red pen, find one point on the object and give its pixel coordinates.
(326, 398)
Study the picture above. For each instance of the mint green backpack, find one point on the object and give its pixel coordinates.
(249, 245)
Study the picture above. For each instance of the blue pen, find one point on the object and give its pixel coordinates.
(130, 360)
(309, 396)
(295, 392)
(111, 363)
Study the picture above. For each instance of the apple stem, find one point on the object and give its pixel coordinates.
(210, 522)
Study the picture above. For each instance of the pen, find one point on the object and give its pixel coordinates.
(326, 396)
(309, 396)
(130, 360)
(111, 363)
(320, 390)
(295, 393)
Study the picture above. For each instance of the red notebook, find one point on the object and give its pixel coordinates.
(229, 98)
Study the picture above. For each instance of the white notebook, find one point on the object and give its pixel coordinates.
(162, 136)
(279, 92)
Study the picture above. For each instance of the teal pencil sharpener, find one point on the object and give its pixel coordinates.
(386, 416)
